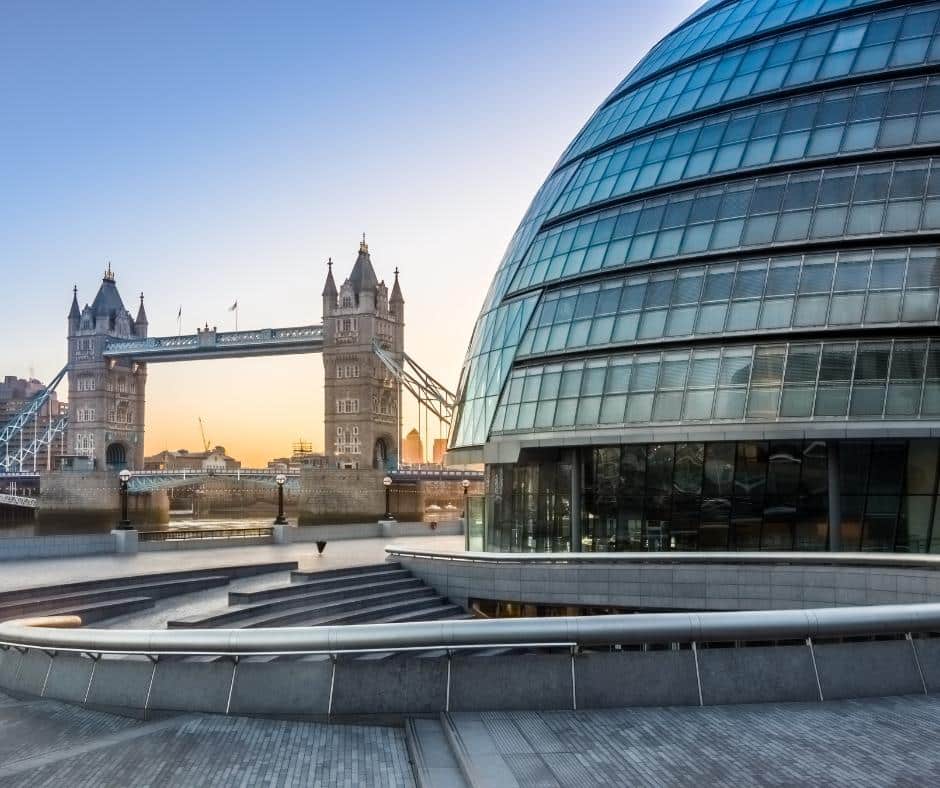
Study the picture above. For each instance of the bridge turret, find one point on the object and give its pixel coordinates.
(361, 399)
(106, 396)
(75, 314)
(329, 290)
(396, 302)
(141, 323)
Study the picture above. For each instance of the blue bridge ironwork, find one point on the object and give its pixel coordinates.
(209, 343)
(150, 481)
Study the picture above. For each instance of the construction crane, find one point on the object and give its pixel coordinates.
(205, 440)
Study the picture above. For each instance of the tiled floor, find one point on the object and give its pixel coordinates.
(867, 742)
(338, 554)
(50, 744)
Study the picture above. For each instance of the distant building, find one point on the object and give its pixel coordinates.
(412, 451)
(302, 456)
(16, 392)
(439, 448)
(184, 460)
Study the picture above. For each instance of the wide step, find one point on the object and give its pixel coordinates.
(432, 758)
(54, 602)
(306, 600)
(250, 597)
(278, 615)
(232, 572)
(348, 571)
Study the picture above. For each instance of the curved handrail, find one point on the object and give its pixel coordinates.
(908, 560)
(531, 632)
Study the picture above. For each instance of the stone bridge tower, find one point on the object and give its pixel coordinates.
(106, 398)
(362, 401)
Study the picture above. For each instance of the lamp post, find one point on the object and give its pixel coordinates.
(280, 479)
(387, 481)
(125, 477)
(466, 486)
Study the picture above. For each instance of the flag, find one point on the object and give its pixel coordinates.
(179, 314)
(233, 307)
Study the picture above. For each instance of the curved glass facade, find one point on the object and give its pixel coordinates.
(724, 296)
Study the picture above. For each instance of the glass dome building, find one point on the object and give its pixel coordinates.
(716, 326)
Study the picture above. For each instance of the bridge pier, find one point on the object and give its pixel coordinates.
(73, 501)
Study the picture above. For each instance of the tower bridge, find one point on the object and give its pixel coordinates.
(361, 339)
(209, 343)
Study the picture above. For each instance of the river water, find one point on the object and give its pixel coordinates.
(13, 526)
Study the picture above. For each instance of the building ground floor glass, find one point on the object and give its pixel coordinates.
(876, 494)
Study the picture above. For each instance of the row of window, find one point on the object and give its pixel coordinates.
(485, 366)
(122, 414)
(749, 495)
(859, 45)
(348, 405)
(347, 370)
(85, 414)
(897, 379)
(528, 227)
(727, 24)
(872, 117)
(798, 291)
(488, 362)
(875, 199)
(85, 443)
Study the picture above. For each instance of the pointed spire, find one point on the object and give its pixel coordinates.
(396, 297)
(108, 274)
(141, 313)
(75, 313)
(329, 289)
(363, 276)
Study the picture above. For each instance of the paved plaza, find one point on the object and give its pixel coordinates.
(338, 554)
(870, 742)
(46, 743)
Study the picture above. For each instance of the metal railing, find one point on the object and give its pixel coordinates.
(573, 632)
(187, 534)
(791, 558)
(23, 501)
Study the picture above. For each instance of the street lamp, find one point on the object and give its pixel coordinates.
(125, 477)
(387, 481)
(280, 479)
(466, 486)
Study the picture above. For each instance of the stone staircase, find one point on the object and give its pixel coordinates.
(97, 600)
(372, 594)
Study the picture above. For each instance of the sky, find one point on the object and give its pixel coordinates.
(222, 151)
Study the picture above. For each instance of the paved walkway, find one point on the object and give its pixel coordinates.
(45, 743)
(872, 742)
(338, 554)
(868, 742)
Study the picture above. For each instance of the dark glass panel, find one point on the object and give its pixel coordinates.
(854, 457)
(886, 472)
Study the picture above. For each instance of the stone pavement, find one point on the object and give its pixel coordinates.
(868, 742)
(45, 743)
(338, 554)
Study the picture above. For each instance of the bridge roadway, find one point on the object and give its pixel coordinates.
(210, 343)
(148, 481)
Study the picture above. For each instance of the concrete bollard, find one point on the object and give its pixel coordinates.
(125, 541)
(282, 534)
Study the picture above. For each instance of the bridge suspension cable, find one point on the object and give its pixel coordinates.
(13, 459)
(429, 392)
